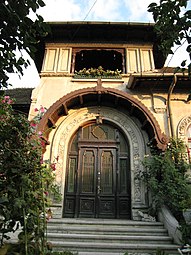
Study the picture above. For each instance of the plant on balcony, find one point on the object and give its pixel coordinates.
(97, 73)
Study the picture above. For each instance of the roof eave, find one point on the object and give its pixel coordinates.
(134, 78)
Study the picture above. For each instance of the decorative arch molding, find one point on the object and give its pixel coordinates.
(137, 142)
(106, 97)
(183, 126)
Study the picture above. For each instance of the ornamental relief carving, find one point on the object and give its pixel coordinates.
(78, 118)
(183, 126)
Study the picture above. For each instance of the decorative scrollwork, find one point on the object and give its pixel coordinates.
(183, 126)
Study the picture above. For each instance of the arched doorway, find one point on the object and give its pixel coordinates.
(73, 110)
(97, 183)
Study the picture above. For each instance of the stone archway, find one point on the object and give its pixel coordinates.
(137, 142)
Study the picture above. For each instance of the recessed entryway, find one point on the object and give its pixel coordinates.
(98, 181)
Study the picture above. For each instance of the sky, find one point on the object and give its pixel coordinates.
(93, 10)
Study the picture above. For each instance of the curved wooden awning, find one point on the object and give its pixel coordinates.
(105, 97)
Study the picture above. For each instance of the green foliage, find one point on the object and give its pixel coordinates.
(61, 253)
(172, 25)
(25, 181)
(166, 178)
(186, 232)
(160, 252)
(97, 72)
(14, 249)
(18, 32)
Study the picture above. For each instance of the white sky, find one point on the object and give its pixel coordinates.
(93, 10)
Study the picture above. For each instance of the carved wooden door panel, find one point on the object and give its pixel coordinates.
(86, 193)
(97, 183)
(106, 194)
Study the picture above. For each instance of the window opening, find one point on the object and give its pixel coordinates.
(108, 59)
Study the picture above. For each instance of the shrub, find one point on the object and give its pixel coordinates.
(25, 181)
(166, 178)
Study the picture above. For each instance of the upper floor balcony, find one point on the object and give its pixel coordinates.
(61, 59)
(73, 46)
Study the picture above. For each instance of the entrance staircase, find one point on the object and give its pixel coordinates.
(109, 237)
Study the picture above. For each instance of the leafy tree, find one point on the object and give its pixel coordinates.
(18, 32)
(172, 25)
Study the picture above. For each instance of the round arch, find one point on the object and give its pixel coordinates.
(137, 142)
(100, 96)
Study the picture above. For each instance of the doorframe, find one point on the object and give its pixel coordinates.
(95, 204)
(131, 128)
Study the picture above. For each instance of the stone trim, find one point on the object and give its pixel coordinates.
(136, 137)
(183, 126)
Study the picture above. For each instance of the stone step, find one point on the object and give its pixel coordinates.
(110, 253)
(109, 238)
(78, 221)
(104, 226)
(102, 247)
(106, 236)
(107, 230)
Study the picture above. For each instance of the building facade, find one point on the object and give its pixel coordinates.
(109, 100)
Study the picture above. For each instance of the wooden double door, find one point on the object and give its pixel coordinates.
(98, 181)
